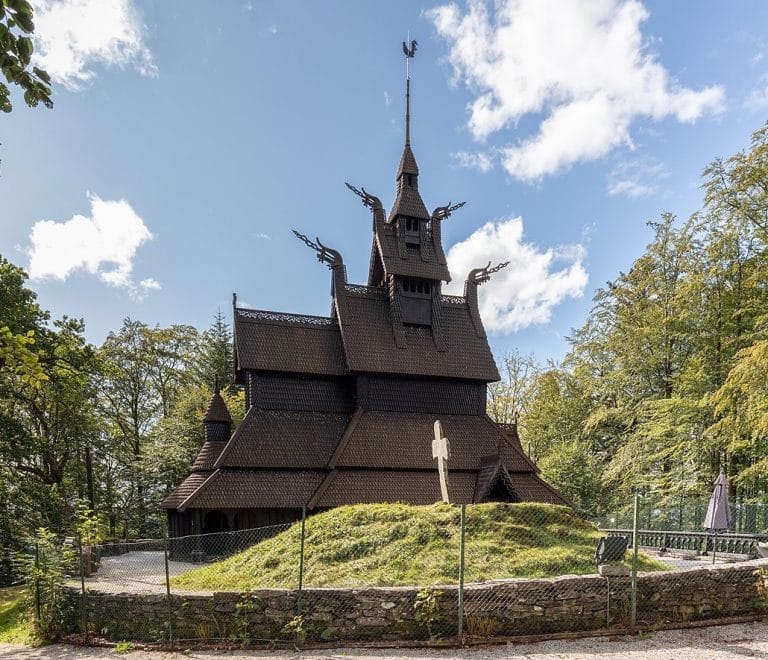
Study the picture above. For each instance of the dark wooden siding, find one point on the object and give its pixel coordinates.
(305, 393)
(424, 395)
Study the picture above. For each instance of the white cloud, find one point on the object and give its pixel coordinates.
(585, 67)
(103, 244)
(150, 283)
(641, 177)
(525, 292)
(73, 35)
(263, 237)
(757, 101)
(387, 98)
(474, 161)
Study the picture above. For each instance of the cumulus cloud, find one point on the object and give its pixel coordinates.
(103, 244)
(584, 67)
(475, 161)
(757, 101)
(640, 177)
(73, 35)
(526, 291)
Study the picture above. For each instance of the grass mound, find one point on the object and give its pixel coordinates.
(399, 544)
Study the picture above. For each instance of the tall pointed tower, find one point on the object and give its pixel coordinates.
(341, 409)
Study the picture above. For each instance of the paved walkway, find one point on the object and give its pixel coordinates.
(731, 642)
(140, 572)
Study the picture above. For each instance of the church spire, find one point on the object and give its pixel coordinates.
(408, 111)
(408, 164)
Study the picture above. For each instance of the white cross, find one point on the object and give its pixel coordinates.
(441, 450)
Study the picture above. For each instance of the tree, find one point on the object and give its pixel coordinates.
(738, 185)
(741, 405)
(16, 26)
(146, 370)
(509, 398)
(214, 354)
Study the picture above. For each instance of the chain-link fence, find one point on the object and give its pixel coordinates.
(439, 574)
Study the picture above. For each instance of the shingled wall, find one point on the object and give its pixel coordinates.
(503, 608)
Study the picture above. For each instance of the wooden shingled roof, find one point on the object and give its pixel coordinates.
(361, 340)
(370, 345)
(297, 343)
(289, 459)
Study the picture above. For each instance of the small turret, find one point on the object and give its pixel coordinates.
(217, 420)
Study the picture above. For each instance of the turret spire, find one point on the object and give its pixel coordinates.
(410, 52)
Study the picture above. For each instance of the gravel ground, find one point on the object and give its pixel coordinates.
(746, 640)
(139, 572)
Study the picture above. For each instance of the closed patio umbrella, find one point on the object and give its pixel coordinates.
(718, 518)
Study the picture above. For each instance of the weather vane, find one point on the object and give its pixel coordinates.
(409, 53)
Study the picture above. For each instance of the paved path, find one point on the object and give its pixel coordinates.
(731, 642)
(141, 572)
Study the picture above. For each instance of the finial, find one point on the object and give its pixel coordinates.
(216, 388)
(234, 300)
(409, 54)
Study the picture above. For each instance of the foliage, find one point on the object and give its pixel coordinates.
(213, 359)
(16, 26)
(123, 647)
(88, 528)
(510, 398)
(296, 628)
(400, 544)
(44, 569)
(737, 186)
(17, 357)
(15, 625)
(741, 407)
(426, 609)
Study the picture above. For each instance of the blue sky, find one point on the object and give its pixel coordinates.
(190, 138)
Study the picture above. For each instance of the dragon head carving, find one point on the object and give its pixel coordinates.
(444, 212)
(324, 254)
(371, 201)
(478, 276)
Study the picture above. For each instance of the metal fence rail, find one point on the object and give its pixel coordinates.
(471, 573)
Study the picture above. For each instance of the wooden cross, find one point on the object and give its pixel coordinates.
(441, 450)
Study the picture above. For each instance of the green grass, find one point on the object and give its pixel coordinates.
(15, 627)
(399, 544)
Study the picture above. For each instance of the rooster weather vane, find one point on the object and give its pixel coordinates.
(409, 54)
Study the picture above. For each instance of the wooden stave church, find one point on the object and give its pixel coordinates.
(340, 409)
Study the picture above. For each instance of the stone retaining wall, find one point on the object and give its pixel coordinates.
(508, 608)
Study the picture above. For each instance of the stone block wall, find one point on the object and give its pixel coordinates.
(501, 608)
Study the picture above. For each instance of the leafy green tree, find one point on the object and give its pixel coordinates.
(509, 398)
(738, 186)
(741, 405)
(554, 435)
(146, 371)
(16, 26)
(214, 354)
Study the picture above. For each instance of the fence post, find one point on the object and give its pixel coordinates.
(83, 615)
(301, 560)
(633, 588)
(37, 584)
(461, 574)
(168, 588)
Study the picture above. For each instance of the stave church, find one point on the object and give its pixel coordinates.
(341, 409)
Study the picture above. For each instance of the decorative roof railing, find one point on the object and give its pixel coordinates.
(453, 300)
(363, 289)
(285, 317)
